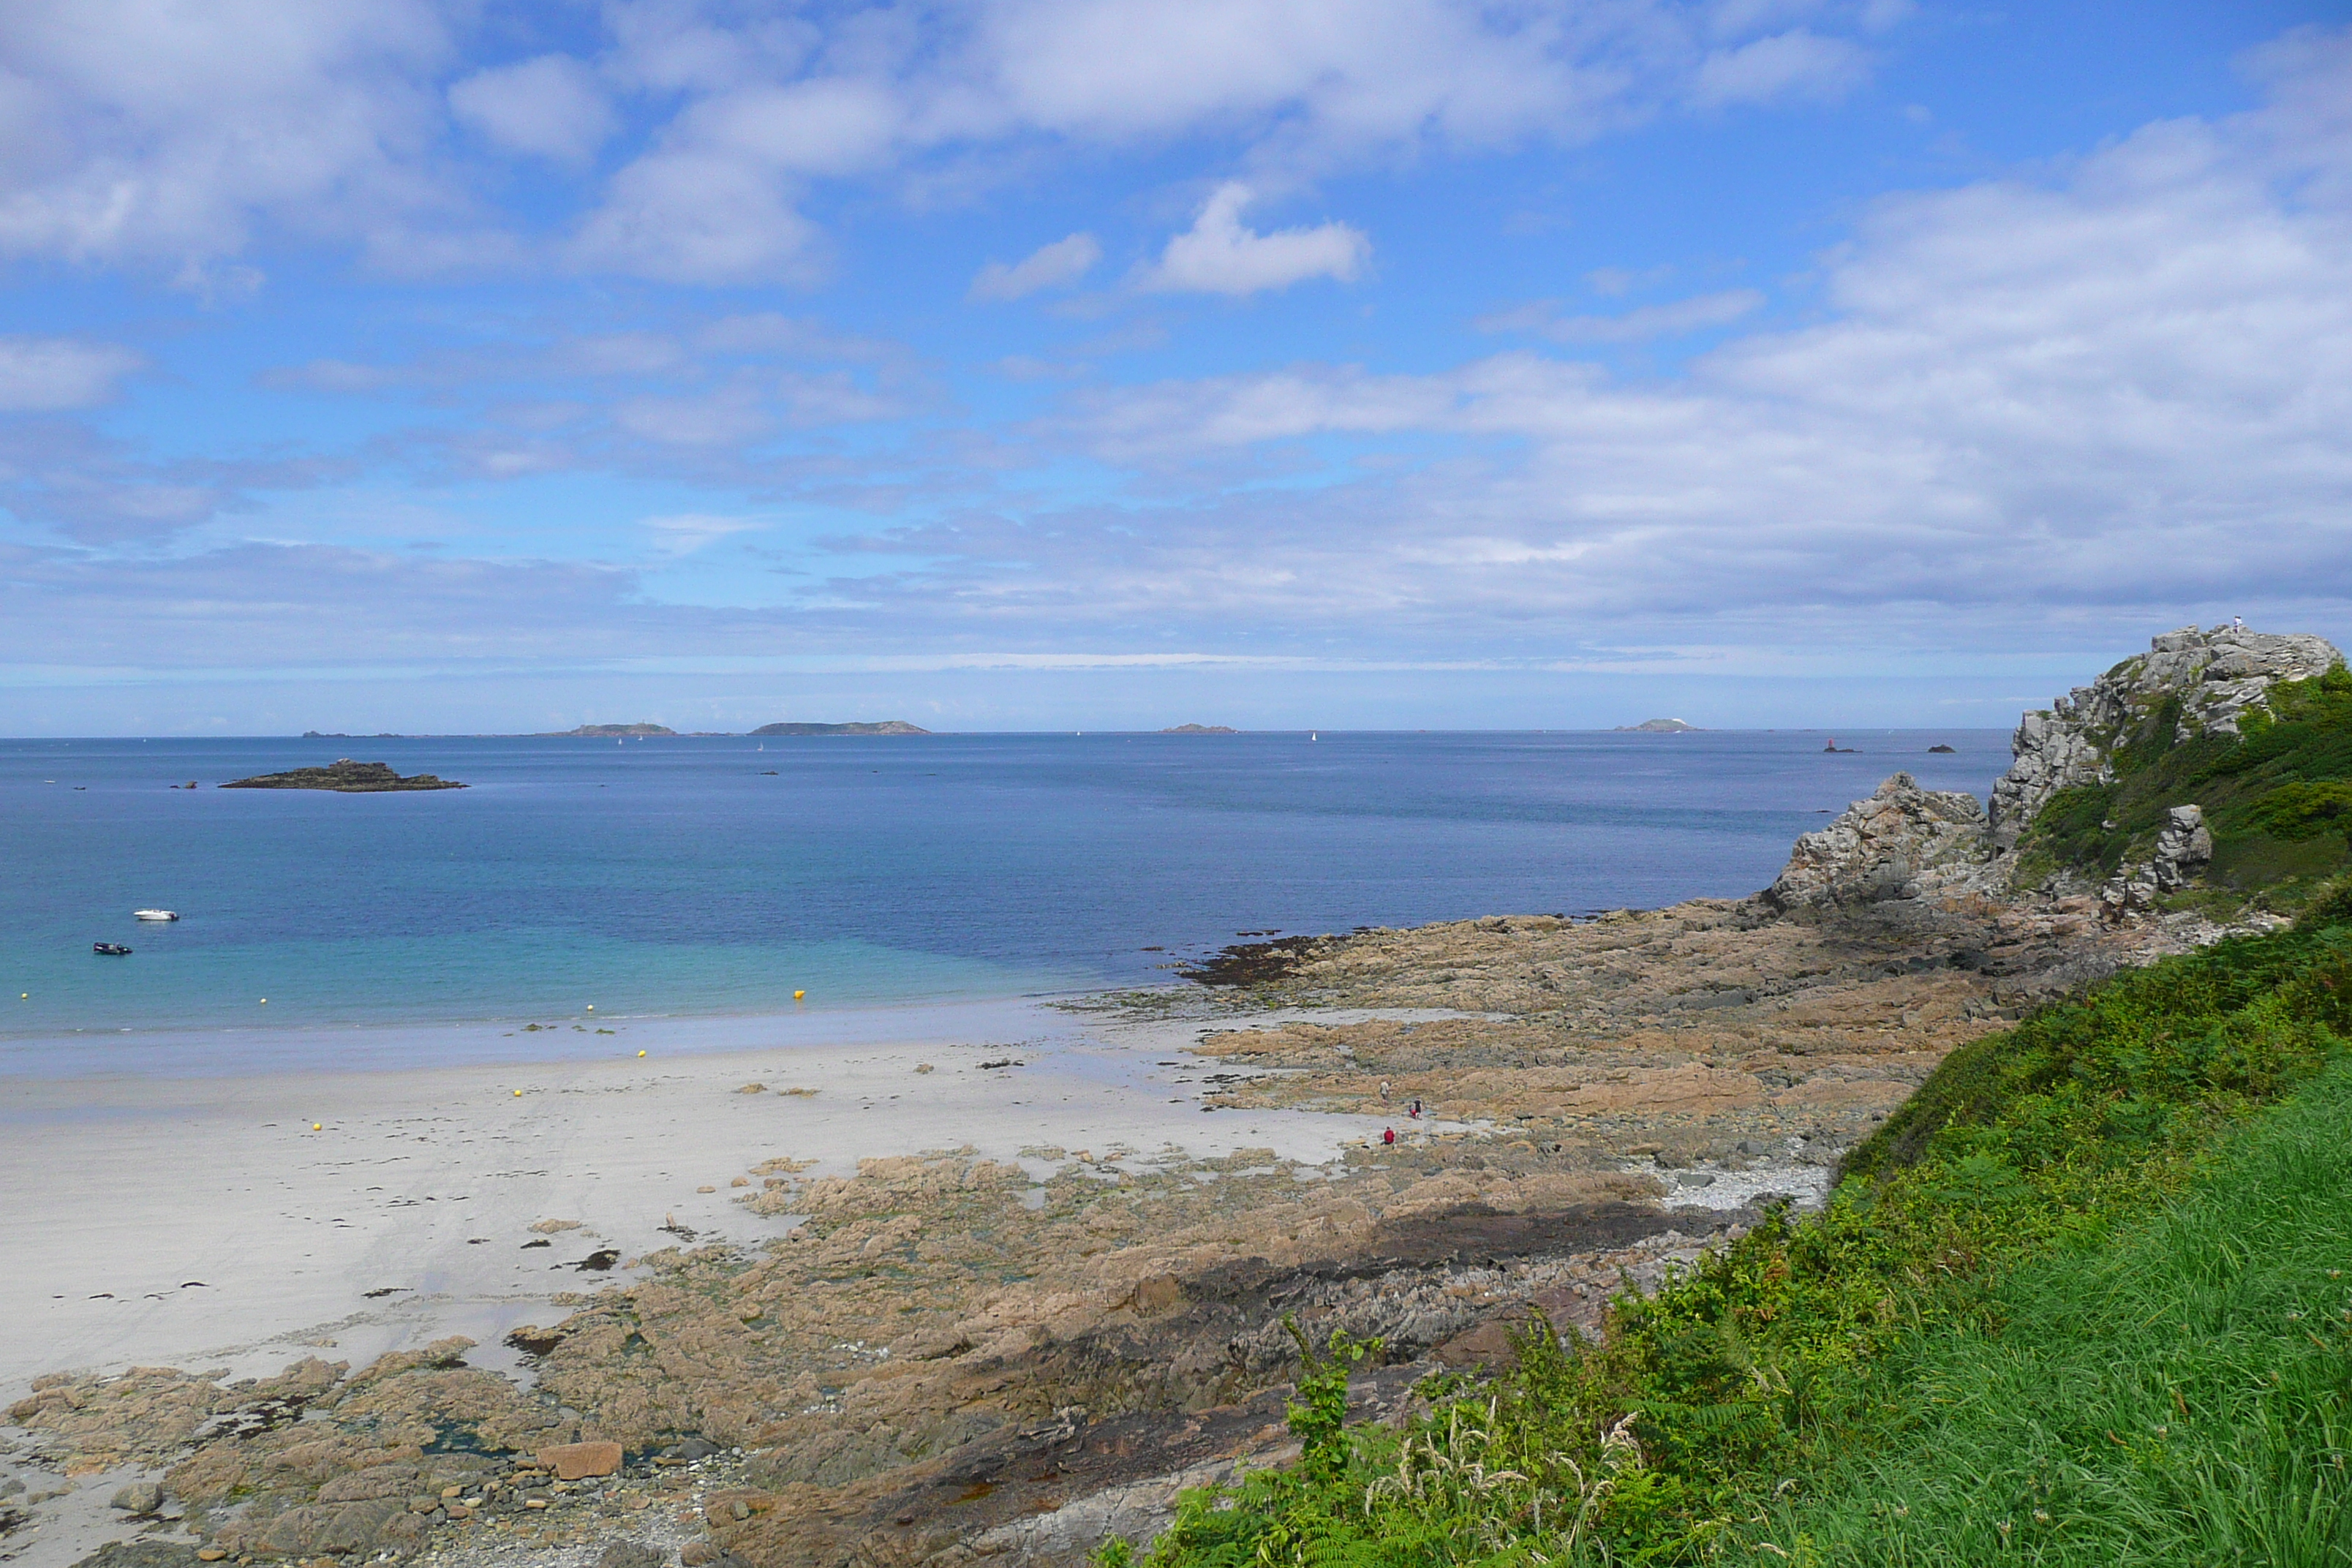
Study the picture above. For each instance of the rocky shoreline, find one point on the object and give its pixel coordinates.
(945, 1362)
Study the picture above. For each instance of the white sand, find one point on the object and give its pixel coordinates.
(122, 1194)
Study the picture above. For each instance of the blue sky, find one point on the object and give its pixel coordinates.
(1045, 364)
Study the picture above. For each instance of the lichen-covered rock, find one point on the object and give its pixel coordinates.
(141, 1416)
(1901, 842)
(2216, 676)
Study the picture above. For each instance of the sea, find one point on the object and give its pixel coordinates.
(838, 882)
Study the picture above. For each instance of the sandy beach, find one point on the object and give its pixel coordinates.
(242, 1222)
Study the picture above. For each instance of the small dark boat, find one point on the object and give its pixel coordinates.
(110, 949)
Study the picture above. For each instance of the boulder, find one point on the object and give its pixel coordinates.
(141, 1554)
(631, 1555)
(576, 1461)
(138, 1496)
(1900, 843)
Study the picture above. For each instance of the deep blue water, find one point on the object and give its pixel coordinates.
(671, 876)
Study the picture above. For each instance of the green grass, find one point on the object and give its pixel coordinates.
(2278, 798)
(2120, 1200)
(2183, 1395)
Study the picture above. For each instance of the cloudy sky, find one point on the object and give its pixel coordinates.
(1035, 364)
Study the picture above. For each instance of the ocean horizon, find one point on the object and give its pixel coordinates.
(579, 884)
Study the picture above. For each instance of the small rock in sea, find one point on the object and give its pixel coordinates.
(631, 1554)
(138, 1496)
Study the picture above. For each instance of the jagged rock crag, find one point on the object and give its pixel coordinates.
(2216, 676)
(1900, 843)
(1909, 854)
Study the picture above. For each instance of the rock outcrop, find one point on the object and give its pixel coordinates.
(1906, 851)
(2183, 845)
(2216, 676)
(1901, 843)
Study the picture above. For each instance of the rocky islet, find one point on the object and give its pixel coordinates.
(346, 777)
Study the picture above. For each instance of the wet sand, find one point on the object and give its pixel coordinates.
(207, 1222)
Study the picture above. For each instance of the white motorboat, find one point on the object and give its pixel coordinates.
(154, 914)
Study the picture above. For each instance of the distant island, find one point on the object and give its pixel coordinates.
(1658, 727)
(1199, 730)
(886, 727)
(339, 735)
(347, 777)
(607, 732)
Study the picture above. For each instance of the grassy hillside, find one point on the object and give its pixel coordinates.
(2278, 799)
(2075, 1301)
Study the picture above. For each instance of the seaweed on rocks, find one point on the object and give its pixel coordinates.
(1253, 963)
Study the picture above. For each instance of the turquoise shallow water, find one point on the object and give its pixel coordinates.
(678, 877)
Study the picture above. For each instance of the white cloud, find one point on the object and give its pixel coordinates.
(683, 533)
(2118, 392)
(48, 374)
(551, 107)
(1218, 255)
(1048, 266)
(700, 217)
(1673, 319)
(1799, 64)
(161, 131)
(177, 134)
(724, 417)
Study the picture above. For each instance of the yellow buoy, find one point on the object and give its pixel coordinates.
(264, 1001)
(314, 1126)
(592, 1006)
(798, 994)
(641, 1053)
(518, 1094)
